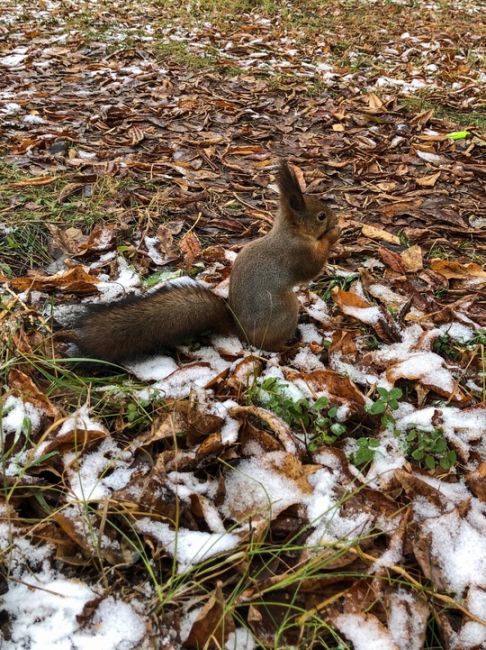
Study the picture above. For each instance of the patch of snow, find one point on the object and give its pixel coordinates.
(188, 546)
(152, 369)
(12, 60)
(323, 511)
(405, 86)
(19, 416)
(80, 421)
(151, 243)
(127, 280)
(457, 331)
(457, 542)
(11, 108)
(307, 361)
(255, 487)
(309, 333)
(94, 475)
(472, 634)
(180, 383)
(368, 315)
(85, 155)
(317, 309)
(365, 632)
(33, 119)
(240, 639)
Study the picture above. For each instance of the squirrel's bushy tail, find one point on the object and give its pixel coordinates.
(145, 324)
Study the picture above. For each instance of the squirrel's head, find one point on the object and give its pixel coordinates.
(307, 213)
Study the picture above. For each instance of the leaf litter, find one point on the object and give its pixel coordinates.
(224, 496)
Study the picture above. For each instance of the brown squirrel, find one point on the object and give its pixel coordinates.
(262, 307)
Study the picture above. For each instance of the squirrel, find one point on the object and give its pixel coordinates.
(262, 308)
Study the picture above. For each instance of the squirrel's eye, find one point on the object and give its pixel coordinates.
(321, 216)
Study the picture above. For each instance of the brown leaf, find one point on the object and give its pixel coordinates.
(37, 180)
(64, 241)
(381, 235)
(75, 280)
(22, 385)
(100, 239)
(353, 305)
(400, 207)
(393, 260)
(244, 372)
(213, 623)
(428, 181)
(277, 425)
(429, 370)
(190, 247)
(477, 482)
(412, 259)
(412, 612)
(68, 190)
(451, 269)
(341, 389)
(375, 103)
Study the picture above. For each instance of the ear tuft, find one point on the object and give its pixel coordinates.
(288, 185)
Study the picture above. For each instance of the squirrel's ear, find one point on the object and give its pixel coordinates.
(288, 185)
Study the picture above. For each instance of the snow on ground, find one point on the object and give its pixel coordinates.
(48, 609)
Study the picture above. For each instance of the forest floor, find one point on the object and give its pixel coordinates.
(332, 496)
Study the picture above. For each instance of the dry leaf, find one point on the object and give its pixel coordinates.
(412, 259)
(212, 625)
(381, 235)
(22, 385)
(75, 280)
(428, 181)
(191, 248)
(451, 269)
(38, 180)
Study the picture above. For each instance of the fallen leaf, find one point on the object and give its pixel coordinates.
(23, 386)
(38, 180)
(213, 623)
(100, 239)
(75, 280)
(191, 248)
(428, 181)
(378, 233)
(412, 259)
(451, 269)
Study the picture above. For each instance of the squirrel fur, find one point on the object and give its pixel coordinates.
(262, 308)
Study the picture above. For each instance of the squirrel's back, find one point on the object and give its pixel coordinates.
(144, 324)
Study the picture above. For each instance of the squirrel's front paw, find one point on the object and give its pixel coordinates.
(331, 236)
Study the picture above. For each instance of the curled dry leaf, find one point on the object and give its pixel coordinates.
(75, 280)
(341, 390)
(278, 426)
(37, 180)
(353, 305)
(244, 372)
(477, 482)
(453, 270)
(100, 239)
(428, 181)
(23, 386)
(213, 623)
(191, 248)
